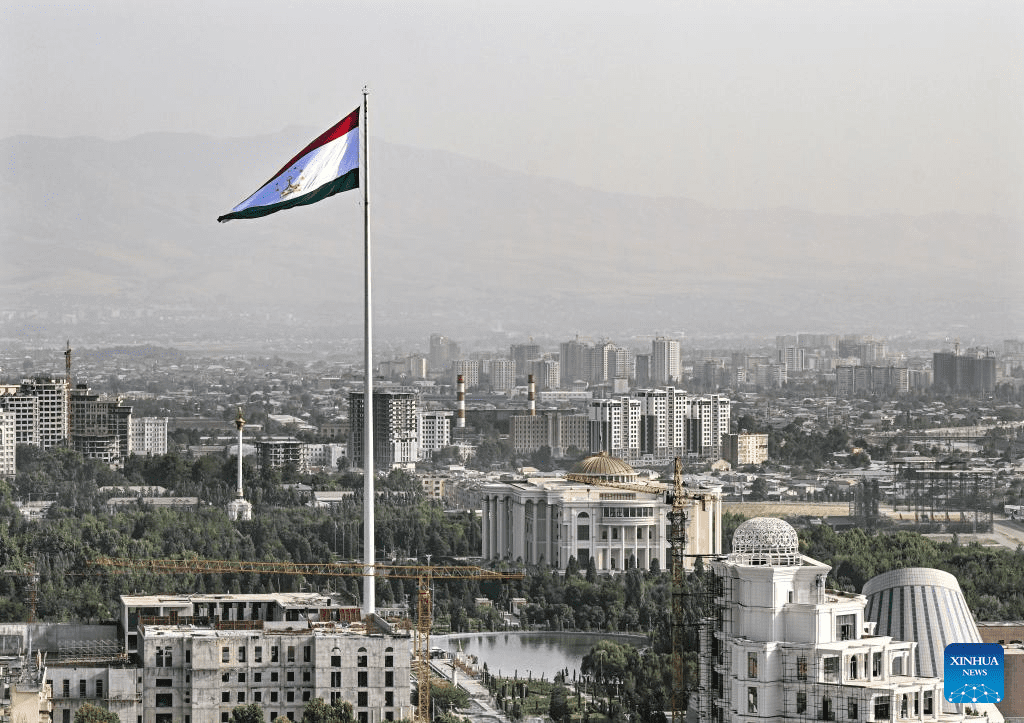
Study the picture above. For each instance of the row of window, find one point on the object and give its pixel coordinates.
(257, 677)
(82, 693)
(830, 667)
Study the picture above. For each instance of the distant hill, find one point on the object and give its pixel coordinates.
(468, 242)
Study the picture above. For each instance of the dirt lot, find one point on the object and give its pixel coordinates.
(787, 509)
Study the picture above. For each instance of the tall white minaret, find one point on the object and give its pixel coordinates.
(239, 508)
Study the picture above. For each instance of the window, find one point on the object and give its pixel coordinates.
(225, 654)
(307, 654)
(826, 708)
(845, 627)
(853, 667)
(257, 654)
(273, 676)
(335, 661)
(801, 702)
(66, 689)
(851, 708)
(66, 715)
(225, 696)
(801, 668)
(305, 695)
(336, 679)
(364, 717)
(225, 677)
(164, 683)
(389, 678)
(241, 677)
(335, 697)
(257, 697)
(389, 661)
(897, 665)
(290, 696)
(188, 659)
(291, 653)
(99, 688)
(582, 532)
(81, 689)
(876, 665)
(882, 708)
(257, 677)
(290, 676)
(306, 676)
(273, 654)
(273, 697)
(389, 698)
(361, 657)
(927, 704)
(241, 654)
(241, 696)
(164, 718)
(751, 700)
(362, 699)
(163, 700)
(751, 665)
(223, 718)
(831, 665)
(363, 677)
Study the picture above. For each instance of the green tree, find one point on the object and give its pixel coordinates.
(90, 713)
(251, 713)
(317, 711)
(558, 708)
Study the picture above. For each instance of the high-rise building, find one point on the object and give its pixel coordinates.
(503, 374)
(434, 431)
(40, 409)
(442, 351)
(468, 369)
(973, 372)
(782, 647)
(8, 444)
(278, 452)
(555, 430)
(615, 426)
(149, 435)
(546, 373)
(522, 355)
(572, 358)
(100, 428)
(395, 440)
(665, 366)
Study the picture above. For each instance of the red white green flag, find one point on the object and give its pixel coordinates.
(328, 165)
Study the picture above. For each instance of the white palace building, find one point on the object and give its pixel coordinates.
(601, 510)
(782, 647)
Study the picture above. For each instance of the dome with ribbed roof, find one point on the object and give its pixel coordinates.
(601, 464)
(765, 541)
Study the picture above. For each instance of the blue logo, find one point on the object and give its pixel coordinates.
(973, 673)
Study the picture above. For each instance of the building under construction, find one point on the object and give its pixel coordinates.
(782, 647)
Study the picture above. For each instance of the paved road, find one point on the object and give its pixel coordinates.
(480, 708)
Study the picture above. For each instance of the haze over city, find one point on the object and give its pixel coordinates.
(709, 168)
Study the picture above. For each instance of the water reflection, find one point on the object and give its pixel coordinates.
(538, 654)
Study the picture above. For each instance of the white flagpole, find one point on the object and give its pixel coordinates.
(369, 547)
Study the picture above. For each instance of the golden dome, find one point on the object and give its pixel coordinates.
(602, 465)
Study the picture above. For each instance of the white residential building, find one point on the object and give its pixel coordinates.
(435, 432)
(149, 435)
(8, 444)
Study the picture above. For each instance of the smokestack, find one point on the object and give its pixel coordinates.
(531, 396)
(460, 404)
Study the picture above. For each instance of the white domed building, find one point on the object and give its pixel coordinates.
(601, 510)
(782, 647)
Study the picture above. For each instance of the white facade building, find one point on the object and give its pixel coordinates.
(782, 647)
(601, 511)
(8, 444)
(435, 432)
(149, 435)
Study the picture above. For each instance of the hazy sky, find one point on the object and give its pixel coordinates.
(837, 106)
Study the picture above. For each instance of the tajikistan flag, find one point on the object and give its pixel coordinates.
(328, 165)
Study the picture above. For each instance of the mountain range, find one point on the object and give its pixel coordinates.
(459, 242)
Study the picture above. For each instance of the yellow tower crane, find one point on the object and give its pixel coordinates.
(423, 574)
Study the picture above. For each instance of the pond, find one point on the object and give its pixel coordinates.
(540, 654)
